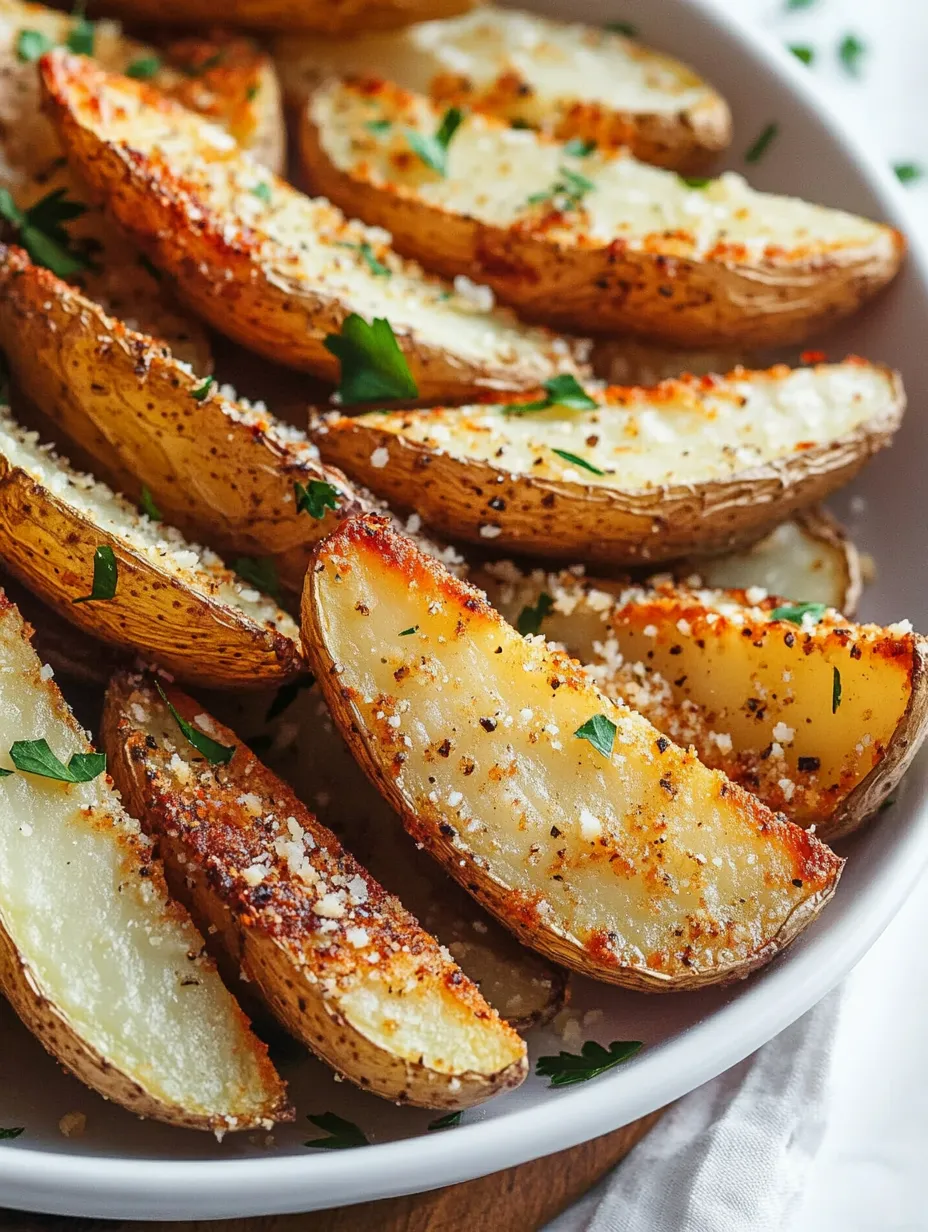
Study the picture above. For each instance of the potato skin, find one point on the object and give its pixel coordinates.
(320, 16)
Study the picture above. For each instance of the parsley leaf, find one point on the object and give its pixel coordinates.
(315, 498)
(795, 612)
(908, 173)
(263, 192)
(31, 45)
(377, 268)
(144, 68)
(433, 151)
(342, 1133)
(569, 1068)
(286, 695)
(578, 461)
(148, 506)
(835, 691)
(81, 38)
(407, 632)
(202, 390)
(762, 144)
(213, 61)
(850, 53)
(563, 390)
(372, 364)
(696, 181)
(7, 1134)
(105, 576)
(600, 732)
(565, 194)
(625, 28)
(252, 92)
(803, 53)
(530, 618)
(448, 1121)
(379, 126)
(579, 148)
(214, 752)
(799, 4)
(35, 757)
(42, 233)
(260, 572)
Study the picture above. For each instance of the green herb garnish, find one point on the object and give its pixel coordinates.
(286, 695)
(433, 151)
(850, 53)
(835, 691)
(252, 92)
(213, 61)
(800, 4)
(263, 192)
(148, 506)
(377, 268)
(342, 1133)
(567, 193)
(372, 364)
(144, 68)
(530, 618)
(696, 181)
(35, 757)
(578, 148)
(796, 611)
(803, 53)
(563, 390)
(578, 461)
(908, 173)
(569, 1068)
(600, 732)
(625, 28)
(408, 632)
(81, 38)
(31, 45)
(105, 576)
(42, 232)
(7, 1134)
(379, 126)
(214, 752)
(202, 390)
(260, 572)
(315, 498)
(448, 1121)
(762, 144)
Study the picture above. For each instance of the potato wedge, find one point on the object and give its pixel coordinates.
(295, 736)
(697, 465)
(589, 239)
(321, 16)
(100, 965)
(174, 602)
(271, 268)
(217, 469)
(616, 853)
(341, 963)
(630, 361)
(566, 79)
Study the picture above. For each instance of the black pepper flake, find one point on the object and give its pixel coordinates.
(668, 786)
(856, 652)
(446, 830)
(789, 639)
(497, 503)
(663, 744)
(808, 764)
(555, 832)
(488, 724)
(797, 882)
(675, 650)
(444, 749)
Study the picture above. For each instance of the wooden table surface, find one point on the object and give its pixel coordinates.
(520, 1199)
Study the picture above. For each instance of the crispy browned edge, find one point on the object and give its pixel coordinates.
(569, 521)
(263, 935)
(51, 1027)
(320, 16)
(729, 299)
(220, 270)
(230, 482)
(374, 534)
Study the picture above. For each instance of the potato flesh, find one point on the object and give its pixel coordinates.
(646, 858)
(100, 938)
(494, 170)
(677, 433)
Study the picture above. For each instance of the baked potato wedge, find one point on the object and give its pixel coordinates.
(275, 270)
(591, 836)
(627, 475)
(586, 238)
(295, 736)
(221, 470)
(563, 78)
(341, 963)
(632, 361)
(107, 972)
(320, 16)
(155, 593)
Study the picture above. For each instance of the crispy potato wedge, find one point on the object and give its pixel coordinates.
(693, 465)
(271, 268)
(341, 963)
(295, 736)
(106, 971)
(595, 241)
(566, 79)
(617, 854)
(219, 469)
(320, 16)
(174, 602)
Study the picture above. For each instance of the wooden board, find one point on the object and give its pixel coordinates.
(520, 1199)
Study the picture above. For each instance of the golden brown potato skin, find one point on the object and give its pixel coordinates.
(320, 16)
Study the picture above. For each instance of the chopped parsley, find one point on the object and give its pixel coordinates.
(315, 498)
(252, 92)
(286, 695)
(42, 232)
(379, 126)
(696, 181)
(850, 52)
(260, 572)
(408, 632)
(144, 68)
(105, 576)
(796, 612)
(566, 193)
(7, 1134)
(342, 1134)
(908, 173)
(762, 144)
(802, 52)
(214, 752)
(35, 757)
(81, 38)
(448, 1121)
(530, 618)
(148, 506)
(372, 364)
(202, 390)
(600, 732)
(377, 268)
(263, 192)
(563, 390)
(625, 28)
(569, 1068)
(433, 151)
(213, 61)
(31, 45)
(578, 148)
(578, 461)
(835, 691)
